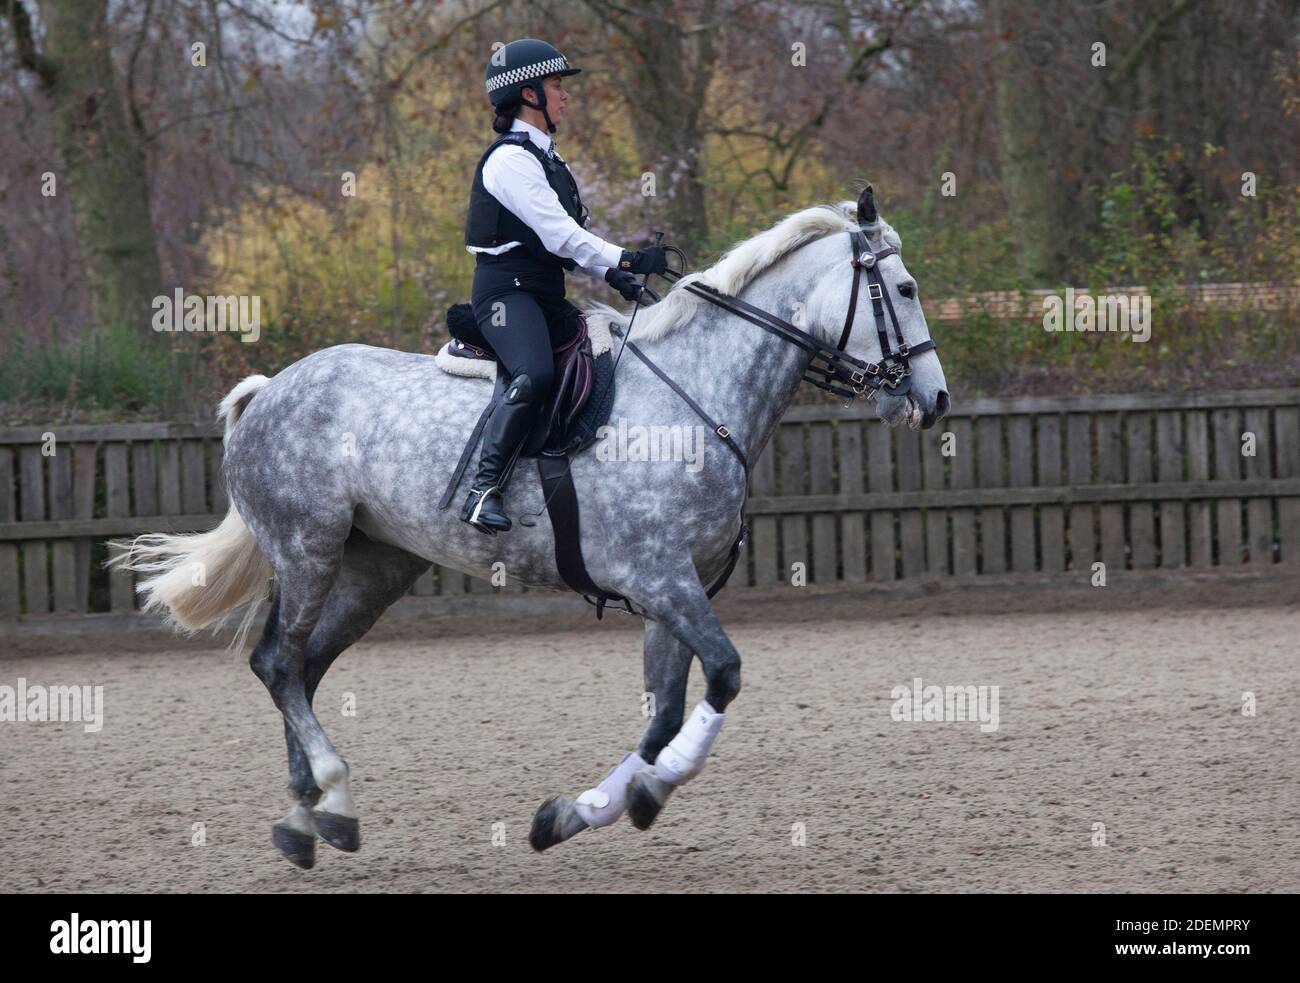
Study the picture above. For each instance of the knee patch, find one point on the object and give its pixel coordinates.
(529, 387)
(520, 390)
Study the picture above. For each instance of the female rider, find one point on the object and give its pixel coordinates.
(526, 227)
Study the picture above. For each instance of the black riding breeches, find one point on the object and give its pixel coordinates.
(522, 328)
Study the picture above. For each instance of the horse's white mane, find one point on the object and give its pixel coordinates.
(742, 263)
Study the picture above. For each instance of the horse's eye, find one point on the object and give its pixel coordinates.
(908, 290)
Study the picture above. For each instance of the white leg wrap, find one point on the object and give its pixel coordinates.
(686, 753)
(603, 804)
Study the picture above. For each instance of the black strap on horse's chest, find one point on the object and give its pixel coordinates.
(562, 506)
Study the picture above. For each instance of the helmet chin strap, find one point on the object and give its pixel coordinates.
(539, 90)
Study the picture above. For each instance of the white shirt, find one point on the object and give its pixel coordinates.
(514, 177)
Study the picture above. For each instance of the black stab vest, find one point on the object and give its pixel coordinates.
(489, 223)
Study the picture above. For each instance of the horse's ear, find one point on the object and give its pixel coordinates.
(867, 214)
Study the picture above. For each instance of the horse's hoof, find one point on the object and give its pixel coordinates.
(646, 795)
(299, 848)
(554, 822)
(340, 832)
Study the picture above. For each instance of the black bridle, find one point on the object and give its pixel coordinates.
(840, 372)
(834, 369)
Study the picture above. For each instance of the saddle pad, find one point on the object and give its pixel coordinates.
(473, 368)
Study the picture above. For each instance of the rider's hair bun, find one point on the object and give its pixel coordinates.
(505, 114)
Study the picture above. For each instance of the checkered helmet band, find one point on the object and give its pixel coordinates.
(540, 69)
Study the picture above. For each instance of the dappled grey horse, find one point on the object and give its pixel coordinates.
(334, 470)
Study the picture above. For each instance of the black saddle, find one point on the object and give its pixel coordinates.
(564, 424)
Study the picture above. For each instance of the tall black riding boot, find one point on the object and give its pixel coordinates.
(503, 437)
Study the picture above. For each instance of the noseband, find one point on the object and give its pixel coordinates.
(834, 369)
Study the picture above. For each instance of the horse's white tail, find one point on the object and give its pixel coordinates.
(199, 579)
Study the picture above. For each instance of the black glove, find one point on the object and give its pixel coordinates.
(624, 283)
(652, 259)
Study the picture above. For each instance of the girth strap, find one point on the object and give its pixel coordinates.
(562, 506)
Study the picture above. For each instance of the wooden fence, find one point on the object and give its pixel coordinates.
(1019, 485)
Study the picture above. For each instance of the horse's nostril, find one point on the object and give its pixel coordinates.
(940, 410)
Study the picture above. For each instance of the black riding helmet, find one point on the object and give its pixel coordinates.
(522, 65)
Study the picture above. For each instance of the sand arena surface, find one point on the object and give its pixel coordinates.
(1120, 707)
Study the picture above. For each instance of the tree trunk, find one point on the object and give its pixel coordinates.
(666, 93)
(1028, 171)
(103, 165)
